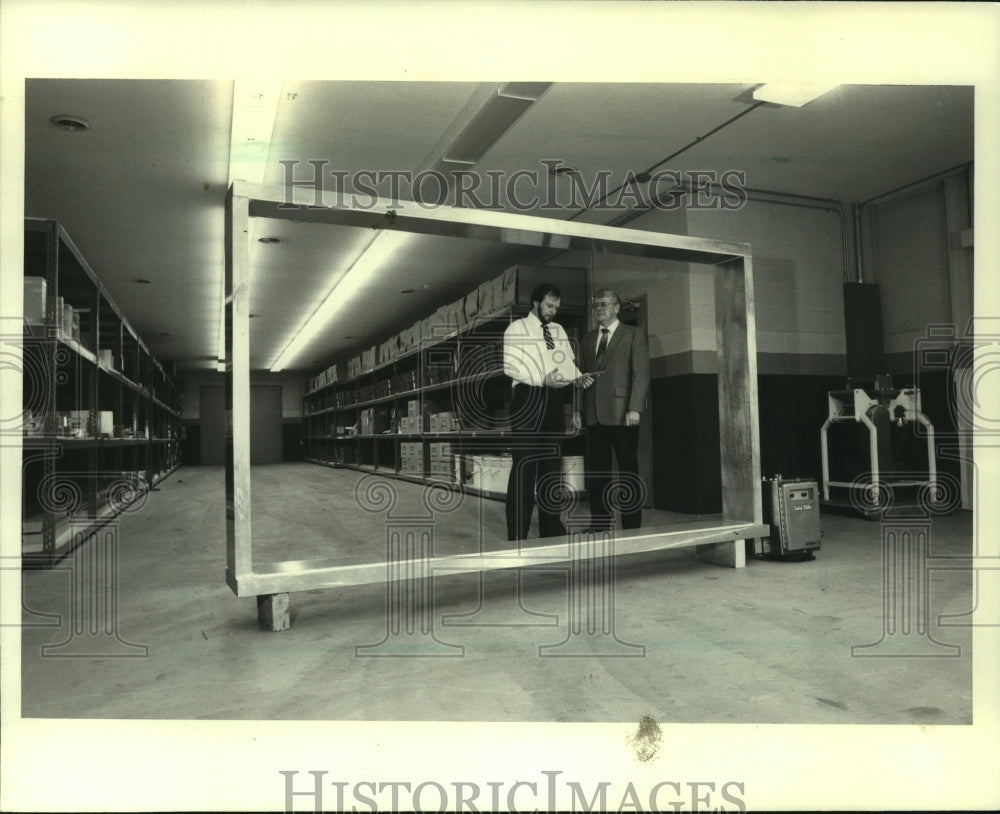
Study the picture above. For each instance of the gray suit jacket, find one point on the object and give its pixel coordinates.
(625, 382)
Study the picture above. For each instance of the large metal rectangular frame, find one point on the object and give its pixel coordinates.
(736, 352)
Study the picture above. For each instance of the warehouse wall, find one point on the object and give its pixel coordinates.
(799, 269)
(291, 411)
(921, 257)
(798, 272)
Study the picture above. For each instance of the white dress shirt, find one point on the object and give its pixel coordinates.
(527, 360)
(611, 332)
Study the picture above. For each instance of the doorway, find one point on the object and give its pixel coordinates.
(265, 425)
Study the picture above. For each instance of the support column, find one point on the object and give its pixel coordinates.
(93, 613)
(739, 424)
(906, 595)
(409, 580)
(591, 630)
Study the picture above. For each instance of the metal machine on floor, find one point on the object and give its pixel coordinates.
(791, 508)
(877, 406)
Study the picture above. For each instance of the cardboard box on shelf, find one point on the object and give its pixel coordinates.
(74, 423)
(34, 300)
(490, 473)
(83, 326)
(498, 292)
(485, 295)
(105, 423)
(508, 285)
(106, 357)
(471, 304)
(440, 322)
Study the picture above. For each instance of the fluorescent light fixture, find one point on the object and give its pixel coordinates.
(345, 284)
(255, 107)
(497, 115)
(791, 94)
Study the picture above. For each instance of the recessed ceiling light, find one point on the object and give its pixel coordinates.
(74, 124)
(140, 281)
(268, 240)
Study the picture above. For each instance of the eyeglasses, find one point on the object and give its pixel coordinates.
(602, 304)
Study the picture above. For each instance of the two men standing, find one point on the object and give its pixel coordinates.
(539, 358)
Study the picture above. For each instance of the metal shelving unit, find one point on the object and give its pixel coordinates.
(459, 373)
(101, 415)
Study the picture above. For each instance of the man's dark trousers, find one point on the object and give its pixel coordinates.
(601, 439)
(538, 422)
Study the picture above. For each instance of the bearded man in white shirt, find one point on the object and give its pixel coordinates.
(539, 358)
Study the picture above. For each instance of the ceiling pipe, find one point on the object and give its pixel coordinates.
(779, 199)
(892, 193)
(859, 269)
(697, 140)
(885, 197)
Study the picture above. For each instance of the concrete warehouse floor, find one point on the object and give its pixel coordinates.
(770, 643)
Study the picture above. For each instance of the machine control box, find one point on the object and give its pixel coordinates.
(791, 508)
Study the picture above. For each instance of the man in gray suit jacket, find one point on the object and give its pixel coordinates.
(613, 407)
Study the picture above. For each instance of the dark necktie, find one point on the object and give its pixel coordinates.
(602, 346)
(548, 337)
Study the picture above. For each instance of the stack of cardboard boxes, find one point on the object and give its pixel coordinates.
(411, 458)
(442, 461)
(487, 473)
(411, 422)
